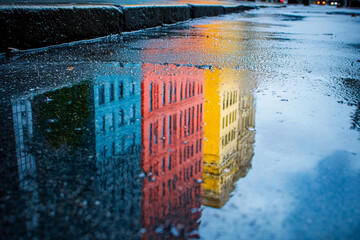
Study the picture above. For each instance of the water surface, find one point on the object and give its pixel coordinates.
(243, 126)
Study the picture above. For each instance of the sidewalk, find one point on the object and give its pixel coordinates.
(33, 26)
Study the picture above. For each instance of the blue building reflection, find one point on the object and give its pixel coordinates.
(73, 157)
(117, 109)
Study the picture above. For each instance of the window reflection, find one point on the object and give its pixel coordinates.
(90, 143)
(229, 119)
(23, 129)
(77, 155)
(171, 194)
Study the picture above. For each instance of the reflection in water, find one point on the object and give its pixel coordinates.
(172, 107)
(343, 179)
(24, 162)
(23, 128)
(351, 94)
(117, 98)
(229, 117)
(77, 152)
(229, 112)
(61, 116)
(121, 155)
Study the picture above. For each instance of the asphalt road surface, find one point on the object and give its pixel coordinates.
(244, 126)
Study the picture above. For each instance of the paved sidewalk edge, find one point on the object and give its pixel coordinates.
(27, 27)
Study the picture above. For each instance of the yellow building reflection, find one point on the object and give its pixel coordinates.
(229, 111)
(228, 131)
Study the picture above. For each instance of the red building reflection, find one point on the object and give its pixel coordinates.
(172, 111)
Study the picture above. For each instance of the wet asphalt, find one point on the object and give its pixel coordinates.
(256, 137)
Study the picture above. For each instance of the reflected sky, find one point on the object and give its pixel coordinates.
(215, 128)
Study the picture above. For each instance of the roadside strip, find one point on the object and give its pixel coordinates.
(27, 27)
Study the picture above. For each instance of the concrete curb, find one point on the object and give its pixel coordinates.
(140, 17)
(29, 27)
(33, 27)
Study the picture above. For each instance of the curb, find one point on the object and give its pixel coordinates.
(136, 18)
(27, 27)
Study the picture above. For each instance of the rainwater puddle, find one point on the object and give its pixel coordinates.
(233, 127)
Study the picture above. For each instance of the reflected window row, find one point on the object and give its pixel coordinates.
(109, 92)
(246, 120)
(127, 143)
(112, 121)
(172, 160)
(171, 184)
(166, 128)
(191, 119)
(188, 173)
(245, 102)
(228, 138)
(181, 201)
(229, 98)
(23, 127)
(162, 94)
(188, 151)
(229, 119)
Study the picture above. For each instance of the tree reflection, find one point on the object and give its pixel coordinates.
(62, 115)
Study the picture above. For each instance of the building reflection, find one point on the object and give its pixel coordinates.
(18, 166)
(39, 132)
(172, 132)
(228, 130)
(73, 159)
(72, 156)
(117, 106)
(117, 98)
(23, 132)
(76, 153)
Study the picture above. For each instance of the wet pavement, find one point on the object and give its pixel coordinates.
(124, 2)
(244, 126)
